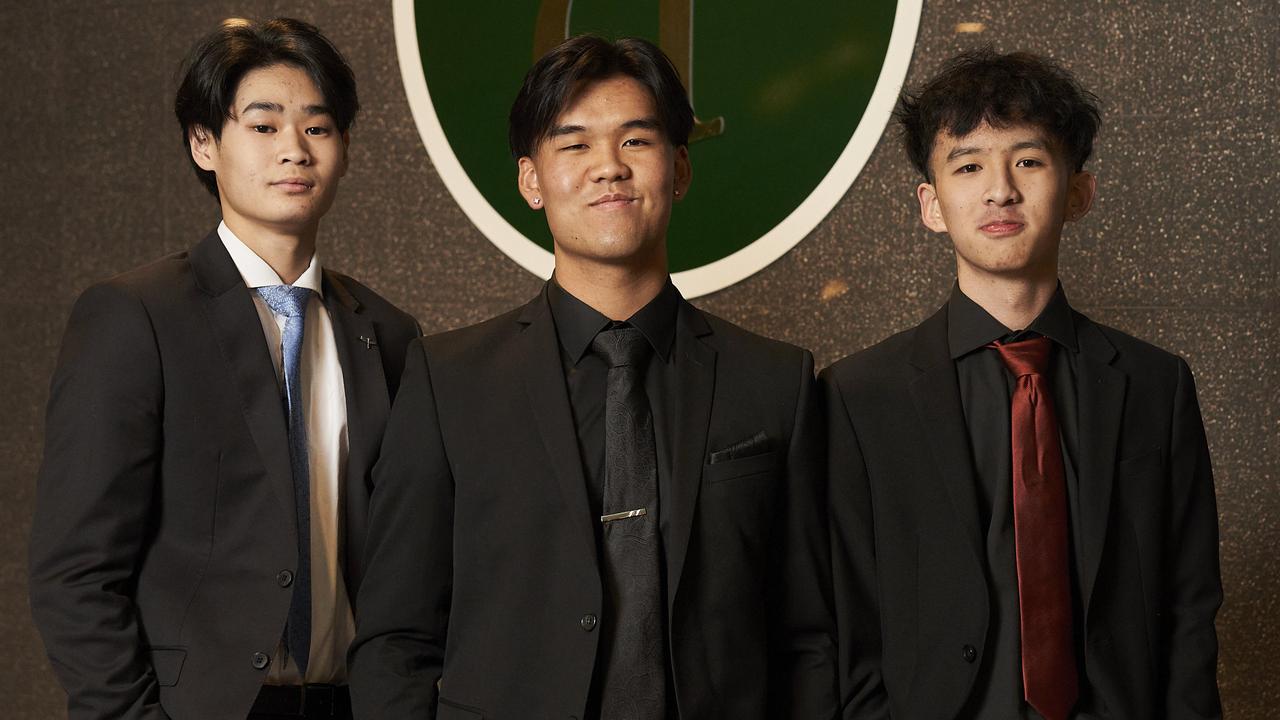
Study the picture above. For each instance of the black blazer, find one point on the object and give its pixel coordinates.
(482, 570)
(911, 595)
(164, 506)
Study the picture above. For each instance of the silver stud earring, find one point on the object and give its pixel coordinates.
(677, 192)
(537, 201)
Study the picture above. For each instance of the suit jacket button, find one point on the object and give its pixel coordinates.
(970, 653)
(285, 578)
(260, 660)
(588, 622)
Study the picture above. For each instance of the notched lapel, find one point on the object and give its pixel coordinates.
(936, 396)
(695, 388)
(238, 332)
(1100, 393)
(368, 404)
(539, 350)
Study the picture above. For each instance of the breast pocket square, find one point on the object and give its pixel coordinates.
(755, 445)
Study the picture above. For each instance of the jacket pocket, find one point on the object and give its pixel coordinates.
(742, 467)
(167, 663)
(450, 710)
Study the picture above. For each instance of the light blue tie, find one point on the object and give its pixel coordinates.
(291, 303)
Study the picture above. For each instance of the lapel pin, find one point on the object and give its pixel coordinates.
(369, 344)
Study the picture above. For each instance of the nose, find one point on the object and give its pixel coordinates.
(608, 165)
(1001, 188)
(293, 147)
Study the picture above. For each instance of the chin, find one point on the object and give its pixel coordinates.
(299, 217)
(616, 248)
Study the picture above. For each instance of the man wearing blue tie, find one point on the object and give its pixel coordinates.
(200, 514)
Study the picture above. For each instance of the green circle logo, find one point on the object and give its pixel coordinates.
(790, 101)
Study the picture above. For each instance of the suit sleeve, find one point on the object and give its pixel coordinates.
(804, 642)
(402, 614)
(94, 500)
(853, 563)
(1191, 652)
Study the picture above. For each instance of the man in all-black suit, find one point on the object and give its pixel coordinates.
(1023, 517)
(214, 416)
(605, 503)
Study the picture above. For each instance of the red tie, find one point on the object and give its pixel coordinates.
(1040, 533)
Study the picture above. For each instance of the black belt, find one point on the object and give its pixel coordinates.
(304, 701)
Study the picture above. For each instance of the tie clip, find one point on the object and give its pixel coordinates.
(622, 515)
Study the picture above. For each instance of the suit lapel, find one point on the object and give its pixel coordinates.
(1100, 393)
(695, 388)
(237, 329)
(368, 405)
(537, 349)
(936, 395)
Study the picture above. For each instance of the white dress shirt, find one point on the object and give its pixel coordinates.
(325, 404)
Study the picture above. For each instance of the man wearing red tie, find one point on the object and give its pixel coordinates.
(1023, 517)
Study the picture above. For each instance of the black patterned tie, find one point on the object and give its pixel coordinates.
(634, 682)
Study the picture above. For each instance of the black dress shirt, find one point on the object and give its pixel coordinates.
(586, 374)
(986, 388)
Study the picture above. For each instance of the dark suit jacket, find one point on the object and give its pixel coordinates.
(164, 507)
(911, 595)
(482, 570)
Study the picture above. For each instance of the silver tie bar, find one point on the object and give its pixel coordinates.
(621, 515)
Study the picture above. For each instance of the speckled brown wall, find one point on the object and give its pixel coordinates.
(1180, 249)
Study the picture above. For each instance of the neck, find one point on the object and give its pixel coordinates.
(289, 253)
(615, 291)
(1015, 302)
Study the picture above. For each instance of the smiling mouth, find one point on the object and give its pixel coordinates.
(613, 201)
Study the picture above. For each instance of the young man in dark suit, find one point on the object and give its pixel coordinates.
(200, 514)
(605, 503)
(1023, 518)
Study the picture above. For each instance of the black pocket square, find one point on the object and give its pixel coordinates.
(754, 445)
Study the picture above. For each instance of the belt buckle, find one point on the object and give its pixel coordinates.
(318, 700)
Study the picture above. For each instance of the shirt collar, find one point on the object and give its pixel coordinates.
(577, 323)
(970, 327)
(257, 273)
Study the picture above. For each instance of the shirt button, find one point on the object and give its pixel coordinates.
(970, 653)
(588, 622)
(260, 660)
(285, 578)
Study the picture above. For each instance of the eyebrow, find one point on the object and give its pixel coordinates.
(971, 150)
(268, 106)
(646, 123)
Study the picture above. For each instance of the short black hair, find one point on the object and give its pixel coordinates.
(1002, 90)
(212, 71)
(555, 80)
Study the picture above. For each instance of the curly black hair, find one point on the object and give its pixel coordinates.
(1000, 89)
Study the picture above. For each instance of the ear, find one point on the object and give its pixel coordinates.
(204, 148)
(930, 208)
(1081, 188)
(527, 182)
(684, 173)
(346, 145)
